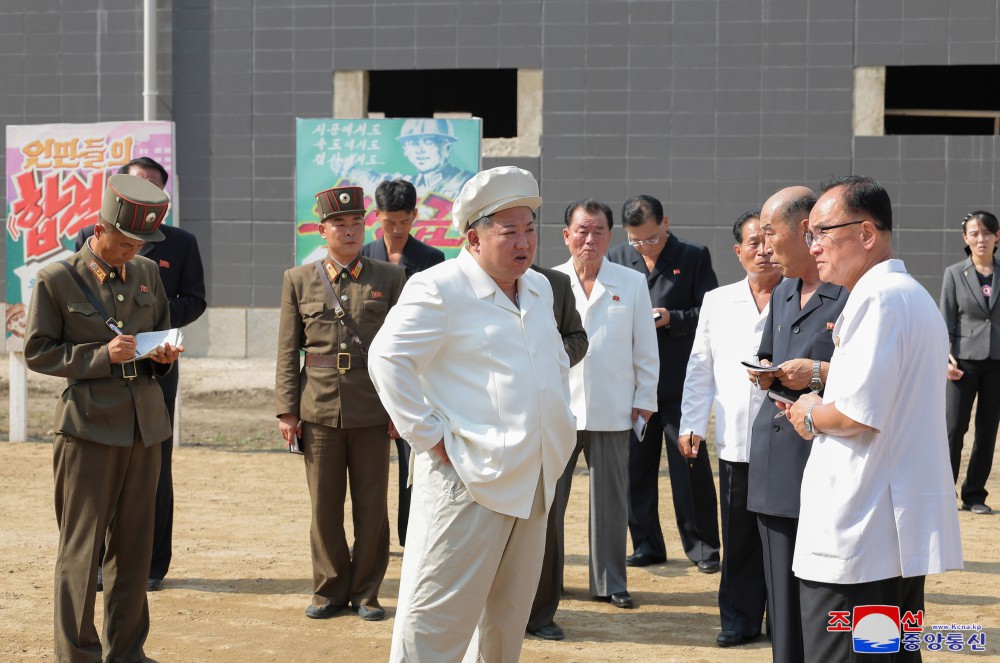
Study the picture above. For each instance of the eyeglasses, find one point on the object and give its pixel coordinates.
(820, 236)
(644, 242)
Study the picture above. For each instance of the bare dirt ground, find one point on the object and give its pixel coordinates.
(240, 577)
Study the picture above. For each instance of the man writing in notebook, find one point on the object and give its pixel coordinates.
(84, 317)
(183, 278)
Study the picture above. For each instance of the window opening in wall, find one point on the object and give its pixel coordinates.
(952, 100)
(490, 94)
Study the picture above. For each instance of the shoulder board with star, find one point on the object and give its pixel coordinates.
(98, 271)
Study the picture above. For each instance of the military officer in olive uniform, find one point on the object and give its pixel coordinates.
(332, 309)
(85, 313)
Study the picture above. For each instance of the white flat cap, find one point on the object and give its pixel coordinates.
(491, 191)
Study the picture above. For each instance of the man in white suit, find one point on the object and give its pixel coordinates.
(612, 387)
(729, 329)
(472, 370)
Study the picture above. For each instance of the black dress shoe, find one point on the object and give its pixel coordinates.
(621, 600)
(550, 632)
(153, 584)
(731, 639)
(709, 566)
(642, 559)
(371, 613)
(323, 611)
(981, 509)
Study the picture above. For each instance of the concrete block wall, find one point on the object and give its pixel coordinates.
(76, 61)
(710, 105)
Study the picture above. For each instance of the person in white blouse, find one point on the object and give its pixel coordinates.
(611, 388)
(729, 329)
(878, 511)
(472, 371)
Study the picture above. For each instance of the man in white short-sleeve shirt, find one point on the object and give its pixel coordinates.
(878, 511)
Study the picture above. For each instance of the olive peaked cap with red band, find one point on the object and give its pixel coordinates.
(135, 207)
(340, 200)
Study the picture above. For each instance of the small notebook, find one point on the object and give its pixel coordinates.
(781, 397)
(639, 427)
(146, 342)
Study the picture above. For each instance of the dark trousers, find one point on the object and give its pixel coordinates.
(403, 450)
(335, 457)
(982, 379)
(550, 580)
(818, 599)
(102, 490)
(742, 592)
(606, 456)
(693, 488)
(163, 519)
(777, 538)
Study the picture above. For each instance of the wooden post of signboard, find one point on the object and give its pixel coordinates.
(18, 398)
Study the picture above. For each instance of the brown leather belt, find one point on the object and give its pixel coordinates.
(342, 361)
(132, 369)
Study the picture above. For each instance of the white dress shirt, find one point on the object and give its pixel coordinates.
(457, 360)
(622, 364)
(881, 504)
(729, 331)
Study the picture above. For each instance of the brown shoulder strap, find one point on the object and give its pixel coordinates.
(92, 298)
(341, 313)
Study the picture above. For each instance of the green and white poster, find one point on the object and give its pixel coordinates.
(437, 155)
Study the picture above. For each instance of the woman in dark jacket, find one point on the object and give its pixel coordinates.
(969, 306)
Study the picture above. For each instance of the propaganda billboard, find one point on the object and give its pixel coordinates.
(437, 155)
(56, 175)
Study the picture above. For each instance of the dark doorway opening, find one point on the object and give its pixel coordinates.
(487, 93)
(952, 100)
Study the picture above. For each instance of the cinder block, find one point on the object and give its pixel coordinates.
(262, 333)
(220, 332)
(884, 9)
(519, 57)
(227, 332)
(972, 53)
(925, 53)
(694, 11)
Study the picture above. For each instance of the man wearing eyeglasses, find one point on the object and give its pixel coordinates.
(797, 339)
(878, 511)
(678, 274)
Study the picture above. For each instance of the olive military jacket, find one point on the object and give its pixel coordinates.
(67, 337)
(367, 289)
